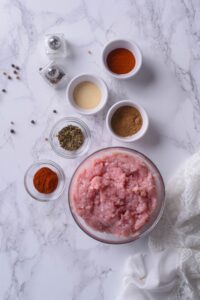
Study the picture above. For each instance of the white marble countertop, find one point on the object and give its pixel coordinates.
(43, 254)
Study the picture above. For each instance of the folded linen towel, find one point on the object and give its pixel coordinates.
(171, 269)
(151, 276)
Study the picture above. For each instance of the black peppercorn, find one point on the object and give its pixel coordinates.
(13, 66)
(9, 77)
(18, 77)
(12, 131)
(33, 122)
(55, 111)
(3, 90)
(12, 123)
(15, 72)
(4, 73)
(17, 68)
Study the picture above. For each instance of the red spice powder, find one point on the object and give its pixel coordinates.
(45, 180)
(121, 61)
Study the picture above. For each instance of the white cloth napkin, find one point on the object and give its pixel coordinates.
(171, 269)
(151, 276)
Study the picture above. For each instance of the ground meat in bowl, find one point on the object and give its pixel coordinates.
(116, 194)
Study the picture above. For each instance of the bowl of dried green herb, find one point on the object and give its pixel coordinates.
(70, 137)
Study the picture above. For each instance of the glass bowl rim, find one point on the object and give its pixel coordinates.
(50, 163)
(155, 222)
(79, 122)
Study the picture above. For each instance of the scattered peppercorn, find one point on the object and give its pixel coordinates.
(17, 68)
(15, 72)
(33, 122)
(4, 73)
(40, 69)
(12, 123)
(3, 90)
(13, 66)
(55, 111)
(18, 77)
(12, 131)
(9, 77)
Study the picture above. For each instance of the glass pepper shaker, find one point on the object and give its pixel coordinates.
(54, 75)
(55, 45)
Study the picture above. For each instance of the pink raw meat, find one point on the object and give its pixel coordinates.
(116, 194)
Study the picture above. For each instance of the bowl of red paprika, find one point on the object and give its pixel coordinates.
(122, 59)
(44, 181)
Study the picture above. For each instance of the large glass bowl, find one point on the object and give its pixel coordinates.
(110, 238)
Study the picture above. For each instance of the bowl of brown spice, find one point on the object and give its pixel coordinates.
(70, 137)
(127, 121)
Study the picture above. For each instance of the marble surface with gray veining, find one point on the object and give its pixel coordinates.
(43, 254)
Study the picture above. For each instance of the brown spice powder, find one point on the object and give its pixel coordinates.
(126, 121)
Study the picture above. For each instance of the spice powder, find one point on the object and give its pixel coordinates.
(121, 61)
(87, 95)
(126, 121)
(45, 180)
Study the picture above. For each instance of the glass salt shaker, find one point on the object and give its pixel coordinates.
(54, 75)
(55, 45)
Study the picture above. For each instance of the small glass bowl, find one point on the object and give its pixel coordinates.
(55, 142)
(107, 237)
(29, 186)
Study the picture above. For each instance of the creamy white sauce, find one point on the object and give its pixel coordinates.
(87, 95)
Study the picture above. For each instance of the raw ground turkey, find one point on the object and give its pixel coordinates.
(116, 194)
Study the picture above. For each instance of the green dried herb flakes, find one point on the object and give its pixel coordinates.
(71, 137)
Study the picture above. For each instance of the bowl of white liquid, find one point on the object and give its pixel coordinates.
(87, 94)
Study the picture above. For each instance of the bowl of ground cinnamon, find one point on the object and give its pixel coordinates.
(44, 181)
(127, 121)
(122, 59)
